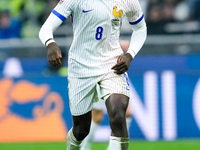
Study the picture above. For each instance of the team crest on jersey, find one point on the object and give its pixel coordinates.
(118, 14)
(61, 1)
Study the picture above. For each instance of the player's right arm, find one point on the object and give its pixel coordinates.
(55, 19)
(46, 37)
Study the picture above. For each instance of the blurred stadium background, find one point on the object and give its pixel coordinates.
(164, 79)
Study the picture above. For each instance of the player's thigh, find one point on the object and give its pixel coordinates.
(82, 93)
(114, 84)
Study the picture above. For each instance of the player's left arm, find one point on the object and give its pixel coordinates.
(138, 24)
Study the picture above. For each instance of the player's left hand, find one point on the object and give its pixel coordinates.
(123, 63)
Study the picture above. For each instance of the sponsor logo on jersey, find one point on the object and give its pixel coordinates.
(85, 11)
(61, 1)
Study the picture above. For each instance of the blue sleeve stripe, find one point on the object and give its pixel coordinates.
(59, 15)
(136, 22)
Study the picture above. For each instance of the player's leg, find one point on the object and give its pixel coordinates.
(81, 95)
(97, 117)
(116, 106)
(115, 90)
(80, 129)
(128, 122)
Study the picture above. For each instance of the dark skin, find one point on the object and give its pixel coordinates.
(123, 63)
(116, 104)
(54, 54)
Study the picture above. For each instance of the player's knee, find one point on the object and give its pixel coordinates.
(118, 125)
(117, 119)
(81, 133)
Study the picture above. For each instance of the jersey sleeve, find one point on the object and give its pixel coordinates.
(134, 13)
(64, 9)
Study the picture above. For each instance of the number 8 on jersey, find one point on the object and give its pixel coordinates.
(99, 33)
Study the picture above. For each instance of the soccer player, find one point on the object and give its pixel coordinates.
(96, 58)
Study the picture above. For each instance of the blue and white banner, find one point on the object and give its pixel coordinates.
(165, 101)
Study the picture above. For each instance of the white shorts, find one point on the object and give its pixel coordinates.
(83, 91)
(100, 104)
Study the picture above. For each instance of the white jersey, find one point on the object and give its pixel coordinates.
(96, 25)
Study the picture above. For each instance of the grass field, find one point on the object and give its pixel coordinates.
(134, 145)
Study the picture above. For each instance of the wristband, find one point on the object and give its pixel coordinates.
(131, 52)
(49, 41)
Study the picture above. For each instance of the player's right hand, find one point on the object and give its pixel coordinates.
(54, 54)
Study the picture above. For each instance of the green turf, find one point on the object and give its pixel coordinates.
(134, 145)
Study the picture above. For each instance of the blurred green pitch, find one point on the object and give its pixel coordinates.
(134, 145)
